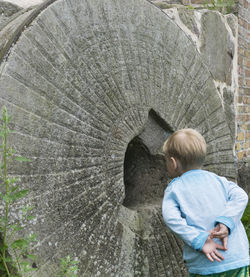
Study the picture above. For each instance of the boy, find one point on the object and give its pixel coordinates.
(204, 210)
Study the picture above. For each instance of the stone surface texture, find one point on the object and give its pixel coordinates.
(24, 3)
(86, 80)
(7, 10)
(214, 36)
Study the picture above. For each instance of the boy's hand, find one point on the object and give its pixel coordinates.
(221, 232)
(210, 250)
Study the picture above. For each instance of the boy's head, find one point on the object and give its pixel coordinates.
(187, 148)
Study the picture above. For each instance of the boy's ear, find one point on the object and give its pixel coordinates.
(174, 163)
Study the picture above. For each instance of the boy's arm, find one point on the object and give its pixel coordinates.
(173, 219)
(236, 203)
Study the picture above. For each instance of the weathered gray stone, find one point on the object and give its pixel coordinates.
(24, 3)
(8, 9)
(217, 47)
(7, 12)
(84, 81)
(232, 22)
(9, 32)
(188, 18)
(243, 175)
(214, 35)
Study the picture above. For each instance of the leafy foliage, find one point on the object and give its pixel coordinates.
(20, 264)
(223, 6)
(246, 220)
(10, 192)
(69, 267)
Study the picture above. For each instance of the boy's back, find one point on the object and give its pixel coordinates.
(192, 205)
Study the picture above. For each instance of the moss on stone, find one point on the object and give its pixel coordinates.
(163, 6)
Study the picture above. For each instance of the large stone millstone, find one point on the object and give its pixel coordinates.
(94, 88)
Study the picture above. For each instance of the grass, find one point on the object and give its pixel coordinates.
(246, 220)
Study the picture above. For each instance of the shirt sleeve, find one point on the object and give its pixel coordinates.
(177, 223)
(237, 200)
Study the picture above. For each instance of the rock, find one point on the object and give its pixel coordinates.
(232, 22)
(244, 175)
(189, 19)
(25, 3)
(217, 47)
(7, 10)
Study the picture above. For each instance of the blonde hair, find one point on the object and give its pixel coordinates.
(186, 145)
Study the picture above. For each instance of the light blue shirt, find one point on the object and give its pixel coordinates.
(193, 203)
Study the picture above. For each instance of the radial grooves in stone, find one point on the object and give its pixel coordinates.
(25, 24)
(173, 249)
(187, 83)
(221, 137)
(108, 247)
(153, 259)
(218, 125)
(111, 103)
(127, 51)
(51, 121)
(177, 79)
(38, 90)
(104, 230)
(115, 57)
(186, 109)
(179, 92)
(71, 237)
(60, 89)
(145, 46)
(49, 146)
(167, 91)
(52, 38)
(88, 211)
(171, 65)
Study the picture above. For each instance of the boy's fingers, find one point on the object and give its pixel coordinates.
(215, 257)
(216, 234)
(216, 229)
(218, 246)
(209, 257)
(224, 242)
(218, 254)
(220, 234)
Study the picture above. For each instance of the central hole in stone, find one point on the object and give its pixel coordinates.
(145, 173)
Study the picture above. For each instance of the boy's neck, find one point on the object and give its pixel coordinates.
(189, 169)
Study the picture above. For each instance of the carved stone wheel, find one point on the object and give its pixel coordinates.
(94, 88)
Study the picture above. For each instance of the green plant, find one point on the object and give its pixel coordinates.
(162, 5)
(20, 263)
(223, 6)
(246, 220)
(69, 267)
